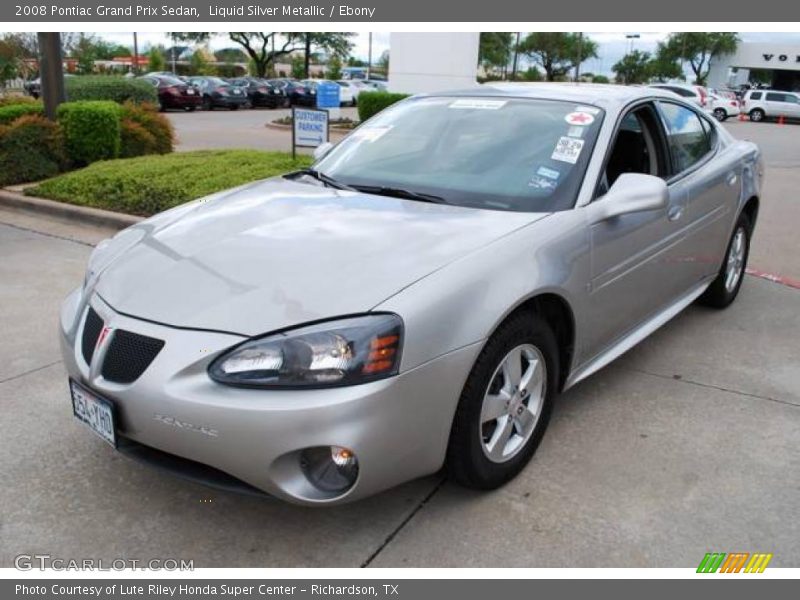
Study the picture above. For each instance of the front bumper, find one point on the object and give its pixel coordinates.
(398, 427)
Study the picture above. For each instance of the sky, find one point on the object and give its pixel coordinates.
(612, 46)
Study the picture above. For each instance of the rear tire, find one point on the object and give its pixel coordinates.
(757, 115)
(724, 289)
(503, 411)
(720, 114)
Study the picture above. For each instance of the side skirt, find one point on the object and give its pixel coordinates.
(636, 335)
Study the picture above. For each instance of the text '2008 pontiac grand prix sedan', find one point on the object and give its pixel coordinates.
(416, 299)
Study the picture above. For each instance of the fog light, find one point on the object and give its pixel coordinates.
(330, 468)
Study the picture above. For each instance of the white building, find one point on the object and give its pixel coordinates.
(782, 60)
(432, 62)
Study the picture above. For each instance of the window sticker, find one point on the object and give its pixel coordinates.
(575, 131)
(567, 150)
(479, 104)
(542, 183)
(370, 134)
(549, 173)
(589, 109)
(579, 118)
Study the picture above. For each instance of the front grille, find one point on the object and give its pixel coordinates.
(128, 355)
(91, 330)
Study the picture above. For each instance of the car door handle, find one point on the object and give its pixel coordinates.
(675, 212)
(731, 179)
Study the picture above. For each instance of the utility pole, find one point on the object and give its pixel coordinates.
(51, 72)
(516, 58)
(135, 65)
(580, 52)
(369, 56)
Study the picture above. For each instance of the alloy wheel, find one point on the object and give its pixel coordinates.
(735, 262)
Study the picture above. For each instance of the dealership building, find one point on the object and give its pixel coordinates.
(782, 61)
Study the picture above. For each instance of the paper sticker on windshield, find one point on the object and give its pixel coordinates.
(479, 104)
(542, 183)
(370, 133)
(549, 173)
(589, 109)
(567, 150)
(575, 131)
(579, 118)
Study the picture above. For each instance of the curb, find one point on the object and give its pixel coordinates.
(69, 212)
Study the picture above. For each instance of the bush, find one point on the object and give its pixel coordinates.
(91, 130)
(135, 140)
(12, 112)
(31, 149)
(371, 103)
(150, 184)
(156, 124)
(108, 87)
(13, 99)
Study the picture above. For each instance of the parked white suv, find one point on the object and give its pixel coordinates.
(770, 104)
(723, 105)
(694, 93)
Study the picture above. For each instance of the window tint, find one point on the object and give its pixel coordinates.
(755, 96)
(688, 141)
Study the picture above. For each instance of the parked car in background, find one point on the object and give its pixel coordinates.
(376, 85)
(694, 93)
(217, 92)
(345, 95)
(33, 87)
(259, 91)
(771, 104)
(174, 93)
(296, 94)
(723, 106)
(354, 86)
(416, 299)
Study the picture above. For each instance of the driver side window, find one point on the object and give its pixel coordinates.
(637, 148)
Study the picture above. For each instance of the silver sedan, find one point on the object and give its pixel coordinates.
(415, 300)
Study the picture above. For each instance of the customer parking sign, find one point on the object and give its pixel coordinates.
(309, 127)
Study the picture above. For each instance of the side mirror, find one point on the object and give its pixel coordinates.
(321, 150)
(631, 193)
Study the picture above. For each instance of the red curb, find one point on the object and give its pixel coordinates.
(780, 279)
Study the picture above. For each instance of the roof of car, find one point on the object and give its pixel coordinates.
(590, 93)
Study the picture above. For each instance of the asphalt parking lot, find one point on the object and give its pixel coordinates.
(689, 443)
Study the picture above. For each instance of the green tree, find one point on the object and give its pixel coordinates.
(334, 70)
(600, 79)
(495, 49)
(199, 63)
(298, 66)
(382, 66)
(259, 45)
(665, 65)
(10, 60)
(155, 59)
(558, 52)
(352, 61)
(700, 48)
(230, 55)
(633, 68)
(531, 74)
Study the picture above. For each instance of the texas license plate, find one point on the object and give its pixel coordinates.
(95, 412)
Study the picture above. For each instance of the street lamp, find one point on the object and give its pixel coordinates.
(631, 37)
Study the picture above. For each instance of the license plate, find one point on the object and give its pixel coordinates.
(237, 92)
(190, 92)
(95, 412)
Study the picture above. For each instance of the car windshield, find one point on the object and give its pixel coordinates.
(514, 154)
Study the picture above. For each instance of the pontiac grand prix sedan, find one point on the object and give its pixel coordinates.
(415, 300)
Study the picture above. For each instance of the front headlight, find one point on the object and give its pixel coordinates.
(333, 353)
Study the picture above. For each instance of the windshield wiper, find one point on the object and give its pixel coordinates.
(320, 176)
(381, 190)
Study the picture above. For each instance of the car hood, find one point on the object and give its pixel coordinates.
(278, 253)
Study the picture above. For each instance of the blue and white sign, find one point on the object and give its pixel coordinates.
(328, 95)
(310, 127)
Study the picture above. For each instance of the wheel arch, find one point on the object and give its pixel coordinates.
(750, 208)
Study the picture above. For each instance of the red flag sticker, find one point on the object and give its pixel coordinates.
(579, 118)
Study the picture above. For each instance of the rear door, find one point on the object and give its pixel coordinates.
(780, 104)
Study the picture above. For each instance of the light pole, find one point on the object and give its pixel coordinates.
(369, 56)
(135, 65)
(516, 58)
(580, 52)
(631, 37)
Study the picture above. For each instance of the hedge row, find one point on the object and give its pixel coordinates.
(33, 148)
(105, 87)
(371, 103)
(12, 112)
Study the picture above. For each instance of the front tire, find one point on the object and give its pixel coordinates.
(724, 289)
(505, 404)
